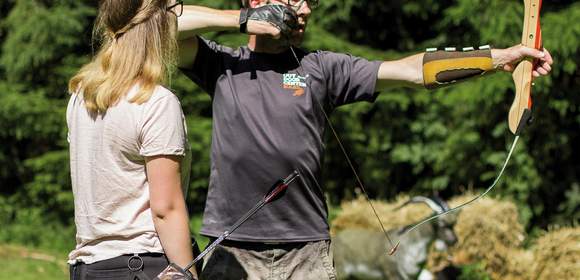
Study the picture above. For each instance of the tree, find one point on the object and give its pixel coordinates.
(443, 141)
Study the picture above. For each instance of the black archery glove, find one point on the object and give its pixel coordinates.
(282, 17)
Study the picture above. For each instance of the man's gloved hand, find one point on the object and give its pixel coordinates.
(283, 18)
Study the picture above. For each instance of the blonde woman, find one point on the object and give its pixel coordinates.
(128, 147)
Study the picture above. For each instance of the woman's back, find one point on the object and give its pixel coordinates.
(108, 173)
(128, 147)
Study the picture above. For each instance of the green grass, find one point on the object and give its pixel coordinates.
(20, 263)
(27, 255)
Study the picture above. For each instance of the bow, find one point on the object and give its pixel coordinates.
(520, 114)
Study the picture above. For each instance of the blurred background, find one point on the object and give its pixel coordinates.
(446, 142)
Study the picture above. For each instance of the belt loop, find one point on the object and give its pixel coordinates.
(73, 271)
(74, 268)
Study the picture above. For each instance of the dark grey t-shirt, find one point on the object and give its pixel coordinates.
(265, 125)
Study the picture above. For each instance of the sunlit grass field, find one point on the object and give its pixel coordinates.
(22, 262)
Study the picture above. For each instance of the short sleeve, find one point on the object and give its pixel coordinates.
(208, 65)
(163, 128)
(349, 78)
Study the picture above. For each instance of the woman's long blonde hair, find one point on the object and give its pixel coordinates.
(137, 46)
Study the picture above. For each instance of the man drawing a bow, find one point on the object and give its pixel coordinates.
(270, 104)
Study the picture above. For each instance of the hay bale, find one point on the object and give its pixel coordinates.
(358, 214)
(488, 232)
(557, 254)
(437, 260)
(518, 265)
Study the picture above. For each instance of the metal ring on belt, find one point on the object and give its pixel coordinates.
(135, 257)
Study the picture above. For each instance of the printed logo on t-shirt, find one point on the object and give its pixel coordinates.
(295, 82)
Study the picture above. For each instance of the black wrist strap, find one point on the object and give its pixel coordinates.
(243, 20)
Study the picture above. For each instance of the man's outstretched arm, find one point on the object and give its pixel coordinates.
(409, 71)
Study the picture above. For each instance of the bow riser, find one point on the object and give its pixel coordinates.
(521, 110)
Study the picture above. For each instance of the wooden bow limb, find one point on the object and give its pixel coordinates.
(521, 110)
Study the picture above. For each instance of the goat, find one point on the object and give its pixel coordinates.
(363, 253)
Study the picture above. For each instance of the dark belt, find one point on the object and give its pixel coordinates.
(134, 262)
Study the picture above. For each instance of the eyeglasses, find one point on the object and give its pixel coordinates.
(297, 4)
(176, 8)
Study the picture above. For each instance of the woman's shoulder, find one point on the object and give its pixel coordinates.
(162, 93)
(163, 100)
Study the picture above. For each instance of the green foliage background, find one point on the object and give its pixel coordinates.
(440, 142)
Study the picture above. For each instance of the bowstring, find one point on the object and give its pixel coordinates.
(350, 164)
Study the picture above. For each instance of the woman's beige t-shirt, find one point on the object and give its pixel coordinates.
(107, 162)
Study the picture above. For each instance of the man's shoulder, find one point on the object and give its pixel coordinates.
(328, 58)
(331, 54)
(322, 58)
(325, 56)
